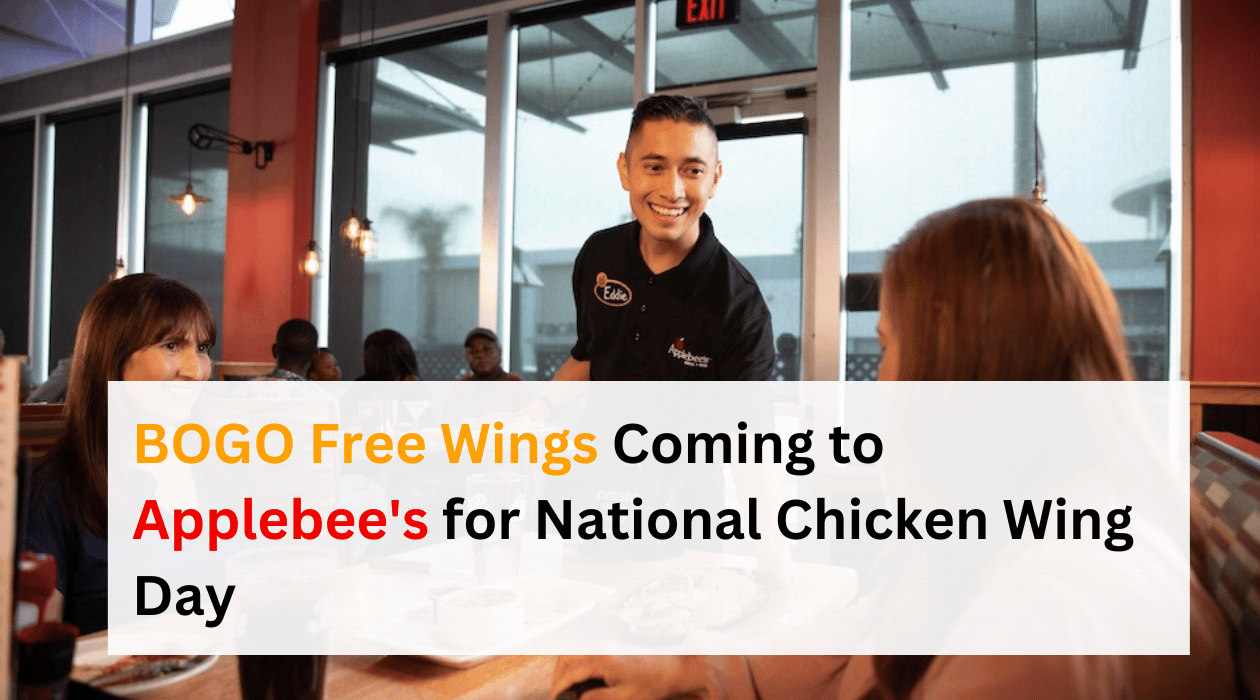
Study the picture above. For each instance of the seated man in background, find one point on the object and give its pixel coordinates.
(481, 347)
(295, 346)
(324, 367)
(53, 390)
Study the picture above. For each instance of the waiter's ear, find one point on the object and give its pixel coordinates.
(623, 170)
(717, 176)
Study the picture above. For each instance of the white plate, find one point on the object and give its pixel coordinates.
(94, 653)
(413, 632)
(457, 661)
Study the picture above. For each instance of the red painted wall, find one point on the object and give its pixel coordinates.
(1225, 84)
(275, 73)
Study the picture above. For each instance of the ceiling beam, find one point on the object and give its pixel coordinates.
(993, 59)
(99, 10)
(1133, 33)
(914, 30)
(757, 31)
(587, 37)
(429, 63)
(74, 41)
(395, 102)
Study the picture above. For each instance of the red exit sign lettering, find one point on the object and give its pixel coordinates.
(706, 13)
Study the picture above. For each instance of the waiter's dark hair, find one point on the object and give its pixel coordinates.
(678, 108)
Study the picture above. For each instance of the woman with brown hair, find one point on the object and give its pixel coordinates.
(388, 357)
(138, 328)
(990, 290)
(997, 290)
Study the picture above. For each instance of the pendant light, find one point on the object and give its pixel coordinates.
(356, 232)
(1038, 194)
(189, 200)
(310, 264)
(367, 241)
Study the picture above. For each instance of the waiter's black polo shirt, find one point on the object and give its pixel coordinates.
(703, 319)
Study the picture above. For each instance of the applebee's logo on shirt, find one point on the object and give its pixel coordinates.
(611, 292)
(689, 359)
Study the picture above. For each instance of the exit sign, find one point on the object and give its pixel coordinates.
(706, 13)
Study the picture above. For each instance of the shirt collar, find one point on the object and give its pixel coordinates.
(691, 266)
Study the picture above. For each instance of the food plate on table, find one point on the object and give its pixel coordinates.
(457, 661)
(692, 599)
(129, 675)
(463, 626)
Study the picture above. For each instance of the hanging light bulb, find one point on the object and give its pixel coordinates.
(351, 227)
(310, 262)
(367, 241)
(120, 270)
(188, 200)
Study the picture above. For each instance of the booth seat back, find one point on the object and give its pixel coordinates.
(40, 425)
(1225, 486)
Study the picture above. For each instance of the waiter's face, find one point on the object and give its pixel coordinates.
(671, 171)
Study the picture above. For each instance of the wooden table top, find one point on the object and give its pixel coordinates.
(388, 677)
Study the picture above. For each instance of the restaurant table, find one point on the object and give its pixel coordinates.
(386, 678)
(817, 591)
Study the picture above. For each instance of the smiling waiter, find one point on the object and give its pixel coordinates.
(660, 298)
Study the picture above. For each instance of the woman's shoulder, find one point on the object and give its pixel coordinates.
(48, 476)
(49, 526)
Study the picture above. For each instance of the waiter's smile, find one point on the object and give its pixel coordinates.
(666, 211)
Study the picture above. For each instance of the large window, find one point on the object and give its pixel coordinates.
(575, 90)
(17, 157)
(84, 218)
(189, 247)
(927, 133)
(421, 180)
(758, 215)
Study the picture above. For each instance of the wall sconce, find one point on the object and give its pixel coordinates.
(310, 262)
(204, 137)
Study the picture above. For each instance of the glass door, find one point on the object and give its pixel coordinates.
(759, 215)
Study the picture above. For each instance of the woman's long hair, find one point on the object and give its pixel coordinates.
(999, 290)
(388, 357)
(123, 317)
(996, 290)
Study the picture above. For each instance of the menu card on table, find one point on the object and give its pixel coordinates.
(9, 386)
